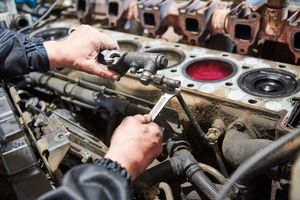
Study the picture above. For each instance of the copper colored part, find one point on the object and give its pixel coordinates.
(293, 35)
(243, 26)
(193, 18)
(278, 3)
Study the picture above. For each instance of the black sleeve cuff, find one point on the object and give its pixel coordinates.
(115, 167)
(36, 54)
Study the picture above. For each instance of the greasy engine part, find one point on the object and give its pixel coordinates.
(220, 99)
(243, 26)
(194, 17)
(152, 14)
(241, 142)
(58, 33)
(22, 20)
(117, 11)
(17, 156)
(181, 163)
(269, 83)
(58, 139)
(294, 190)
(275, 153)
(293, 35)
(148, 62)
(7, 12)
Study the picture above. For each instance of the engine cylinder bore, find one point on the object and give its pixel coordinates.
(53, 33)
(210, 70)
(129, 45)
(175, 57)
(269, 82)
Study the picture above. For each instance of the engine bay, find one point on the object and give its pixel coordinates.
(233, 80)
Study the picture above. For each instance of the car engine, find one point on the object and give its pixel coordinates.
(228, 69)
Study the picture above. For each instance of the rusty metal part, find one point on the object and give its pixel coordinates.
(217, 129)
(243, 25)
(194, 17)
(293, 35)
(152, 14)
(117, 11)
(219, 17)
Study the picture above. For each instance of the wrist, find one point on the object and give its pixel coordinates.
(53, 53)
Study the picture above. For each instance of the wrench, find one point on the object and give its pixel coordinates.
(163, 100)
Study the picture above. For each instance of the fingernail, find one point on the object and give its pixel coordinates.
(116, 77)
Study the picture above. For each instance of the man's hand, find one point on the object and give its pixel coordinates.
(80, 51)
(135, 144)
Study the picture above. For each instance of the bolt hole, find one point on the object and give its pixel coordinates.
(228, 84)
(225, 55)
(282, 66)
(177, 45)
(173, 70)
(190, 85)
(136, 38)
(147, 47)
(192, 56)
(252, 101)
(242, 50)
(245, 67)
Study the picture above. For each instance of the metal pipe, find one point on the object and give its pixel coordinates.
(238, 146)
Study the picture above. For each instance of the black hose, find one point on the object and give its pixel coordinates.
(201, 181)
(190, 116)
(290, 143)
(184, 162)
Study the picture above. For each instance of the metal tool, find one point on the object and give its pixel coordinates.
(163, 100)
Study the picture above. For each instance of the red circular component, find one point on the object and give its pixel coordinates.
(209, 70)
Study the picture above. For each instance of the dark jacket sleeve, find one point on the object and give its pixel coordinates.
(105, 180)
(20, 54)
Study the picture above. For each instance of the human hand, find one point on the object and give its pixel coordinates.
(80, 51)
(135, 144)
